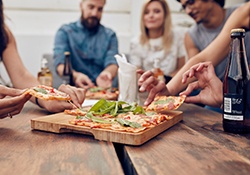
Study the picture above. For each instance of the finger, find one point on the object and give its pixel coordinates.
(76, 94)
(140, 71)
(145, 76)
(193, 99)
(13, 105)
(148, 84)
(185, 77)
(79, 96)
(6, 91)
(155, 90)
(190, 88)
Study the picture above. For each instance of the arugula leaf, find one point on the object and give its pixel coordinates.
(124, 122)
(96, 89)
(40, 90)
(164, 101)
(97, 119)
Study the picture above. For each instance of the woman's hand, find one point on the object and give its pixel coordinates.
(77, 97)
(11, 101)
(147, 82)
(208, 82)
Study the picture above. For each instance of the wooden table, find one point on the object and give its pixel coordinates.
(197, 145)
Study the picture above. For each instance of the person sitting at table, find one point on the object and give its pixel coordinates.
(91, 45)
(12, 100)
(158, 41)
(215, 52)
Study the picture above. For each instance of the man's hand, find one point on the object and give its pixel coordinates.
(104, 79)
(208, 82)
(82, 80)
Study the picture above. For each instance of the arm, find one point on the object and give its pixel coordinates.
(216, 51)
(190, 46)
(15, 68)
(110, 71)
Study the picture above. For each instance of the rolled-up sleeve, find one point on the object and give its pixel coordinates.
(111, 51)
(61, 45)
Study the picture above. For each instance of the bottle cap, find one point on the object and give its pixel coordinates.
(66, 53)
(238, 32)
(44, 62)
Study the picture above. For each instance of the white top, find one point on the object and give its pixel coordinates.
(143, 56)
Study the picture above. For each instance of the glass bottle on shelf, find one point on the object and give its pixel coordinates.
(236, 87)
(45, 76)
(158, 73)
(67, 76)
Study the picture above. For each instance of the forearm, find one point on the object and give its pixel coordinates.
(112, 69)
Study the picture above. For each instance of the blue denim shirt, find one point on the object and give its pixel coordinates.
(90, 53)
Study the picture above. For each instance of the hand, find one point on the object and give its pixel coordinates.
(104, 79)
(147, 82)
(82, 80)
(77, 97)
(11, 101)
(208, 82)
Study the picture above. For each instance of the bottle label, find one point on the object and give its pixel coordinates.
(46, 80)
(65, 79)
(233, 107)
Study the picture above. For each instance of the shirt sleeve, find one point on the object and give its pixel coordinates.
(61, 45)
(112, 51)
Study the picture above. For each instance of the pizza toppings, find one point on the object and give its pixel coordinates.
(47, 93)
(119, 116)
(164, 103)
(99, 93)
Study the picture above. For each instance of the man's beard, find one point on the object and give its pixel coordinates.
(91, 23)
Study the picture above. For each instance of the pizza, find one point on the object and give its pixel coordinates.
(99, 92)
(47, 93)
(117, 116)
(164, 103)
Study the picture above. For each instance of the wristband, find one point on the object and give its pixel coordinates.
(36, 99)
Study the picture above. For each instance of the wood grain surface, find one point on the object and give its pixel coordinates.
(197, 145)
(29, 152)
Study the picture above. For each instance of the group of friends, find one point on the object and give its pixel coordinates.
(93, 46)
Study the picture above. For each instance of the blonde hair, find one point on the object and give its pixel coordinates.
(103, 0)
(167, 34)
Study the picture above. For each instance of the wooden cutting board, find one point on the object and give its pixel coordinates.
(59, 123)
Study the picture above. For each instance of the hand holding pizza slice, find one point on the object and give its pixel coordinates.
(53, 100)
(47, 93)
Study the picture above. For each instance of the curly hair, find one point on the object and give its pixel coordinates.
(220, 2)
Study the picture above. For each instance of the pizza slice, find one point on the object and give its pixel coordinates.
(47, 93)
(99, 93)
(164, 103)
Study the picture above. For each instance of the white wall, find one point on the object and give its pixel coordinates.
(34, 23)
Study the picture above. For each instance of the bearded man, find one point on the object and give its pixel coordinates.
(91, 45)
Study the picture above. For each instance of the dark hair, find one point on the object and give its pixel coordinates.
(220, 2)
(3, 34)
